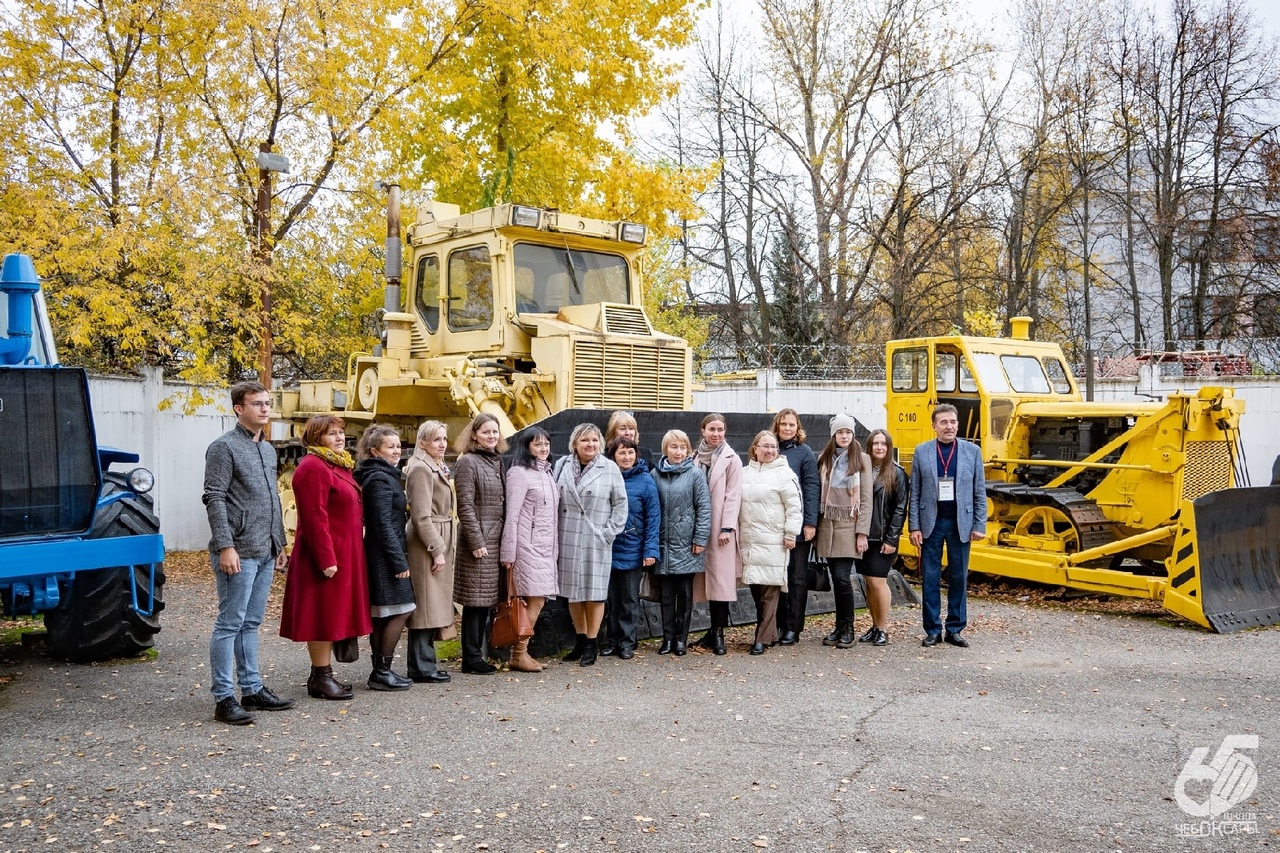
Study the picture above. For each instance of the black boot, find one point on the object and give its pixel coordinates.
(474, 622)
(322, 684)
(845, 640)
(589, 649)
(707, 640)
(832, 638)
(382, 678)
(579, 646)
(717, 641)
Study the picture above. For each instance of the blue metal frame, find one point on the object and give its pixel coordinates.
(27, 566)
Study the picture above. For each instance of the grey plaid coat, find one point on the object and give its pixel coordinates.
(593, 512)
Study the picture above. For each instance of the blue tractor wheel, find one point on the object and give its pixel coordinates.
(95, 619)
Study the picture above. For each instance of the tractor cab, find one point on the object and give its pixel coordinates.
(517, 311)
(984, 378)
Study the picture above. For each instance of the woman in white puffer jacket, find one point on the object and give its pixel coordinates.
(769, 521)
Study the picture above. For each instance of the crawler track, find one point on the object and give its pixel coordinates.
(1093, 528)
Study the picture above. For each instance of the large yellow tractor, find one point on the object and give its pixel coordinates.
(512, 310)
(1136, 499)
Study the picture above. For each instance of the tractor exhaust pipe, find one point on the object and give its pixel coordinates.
(393, 264)
(18, 282)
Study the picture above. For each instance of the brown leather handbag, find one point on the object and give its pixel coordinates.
(510, 618)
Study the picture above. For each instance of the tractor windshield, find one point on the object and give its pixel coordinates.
(549, 278)
(1021, 374)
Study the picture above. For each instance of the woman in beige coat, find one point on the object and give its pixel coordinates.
(431, 542)
(844, 520)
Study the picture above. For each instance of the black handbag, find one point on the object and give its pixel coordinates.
(346, 651)
(819, 579)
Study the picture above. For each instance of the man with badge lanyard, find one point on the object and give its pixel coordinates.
(948, 507)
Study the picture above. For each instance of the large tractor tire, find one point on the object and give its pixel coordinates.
(95, 619)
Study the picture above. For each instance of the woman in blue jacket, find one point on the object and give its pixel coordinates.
(635, 549)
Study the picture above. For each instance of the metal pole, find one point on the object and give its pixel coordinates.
(262, 252)
(393, 264)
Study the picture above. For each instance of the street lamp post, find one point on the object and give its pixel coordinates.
(265, 246)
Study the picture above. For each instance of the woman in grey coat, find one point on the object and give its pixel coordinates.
(685, 531)
(593, 511)
(480, 486)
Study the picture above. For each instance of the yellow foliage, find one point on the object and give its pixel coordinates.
(983, 322)
(666, 300)
(534, 107)
(127, 168)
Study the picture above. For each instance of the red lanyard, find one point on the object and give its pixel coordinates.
(946, 463)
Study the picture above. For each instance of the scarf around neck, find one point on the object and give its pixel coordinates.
(342, 460)
(706, 454)
(437, 464)
(840, 501)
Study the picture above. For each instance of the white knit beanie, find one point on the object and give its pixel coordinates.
(843, 421)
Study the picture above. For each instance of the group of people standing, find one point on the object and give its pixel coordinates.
(377, 553)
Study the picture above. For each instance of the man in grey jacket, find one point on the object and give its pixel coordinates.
(247, 545)
(948, 507)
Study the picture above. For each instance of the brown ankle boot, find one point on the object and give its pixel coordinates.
(520, 659)
(322, 684)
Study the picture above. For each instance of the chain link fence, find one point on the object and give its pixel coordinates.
(799, 362)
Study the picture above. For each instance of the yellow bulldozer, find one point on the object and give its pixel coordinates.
(517, 311)
(1136, 499)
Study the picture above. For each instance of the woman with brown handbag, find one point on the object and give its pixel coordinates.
(529, 534)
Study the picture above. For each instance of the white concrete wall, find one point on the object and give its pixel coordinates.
(1259, 430)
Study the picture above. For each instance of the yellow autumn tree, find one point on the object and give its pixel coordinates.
(85, 190)
(536, 107)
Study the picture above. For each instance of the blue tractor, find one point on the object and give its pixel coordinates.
(79, 543)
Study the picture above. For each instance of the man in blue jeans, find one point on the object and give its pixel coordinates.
(948, 507)
(246, 547)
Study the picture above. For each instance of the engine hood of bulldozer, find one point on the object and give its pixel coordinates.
(599, 319)
(1079, 409)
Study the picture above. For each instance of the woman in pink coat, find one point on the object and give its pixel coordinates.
(718, 585)
(529, 533)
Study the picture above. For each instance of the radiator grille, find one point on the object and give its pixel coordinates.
(1208, 468)
(626, 320)
(48, 471)
(628, 376)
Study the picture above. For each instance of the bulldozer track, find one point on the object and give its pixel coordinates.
(1092, 526)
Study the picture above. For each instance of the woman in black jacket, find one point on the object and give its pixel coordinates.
(804, 464)
(889, 497)
(385, 514)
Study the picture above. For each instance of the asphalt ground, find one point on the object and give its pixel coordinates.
(1059, 729)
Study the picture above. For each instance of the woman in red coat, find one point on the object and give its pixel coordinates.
(326, 595)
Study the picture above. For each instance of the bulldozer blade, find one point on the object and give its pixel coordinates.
(1230, 548)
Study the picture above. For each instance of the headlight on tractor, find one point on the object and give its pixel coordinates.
(527, 217)
(141, 480)
(632, 232)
